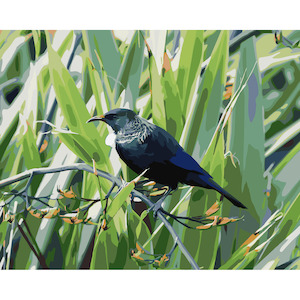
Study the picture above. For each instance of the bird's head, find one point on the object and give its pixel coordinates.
(117, 118)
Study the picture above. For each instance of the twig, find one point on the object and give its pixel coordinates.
(172, 212)
(117, 181)
(9, 248)
(41, 258)
(37, 253)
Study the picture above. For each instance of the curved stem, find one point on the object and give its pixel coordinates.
(117, 181)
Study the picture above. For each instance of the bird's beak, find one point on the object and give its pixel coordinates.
(100, 118)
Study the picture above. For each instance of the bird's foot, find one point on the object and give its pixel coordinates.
(158, 260)
(110, 190)
(168, 255)
(163, 260)
(155, 208)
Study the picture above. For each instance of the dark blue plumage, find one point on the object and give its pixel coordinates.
(142, 145)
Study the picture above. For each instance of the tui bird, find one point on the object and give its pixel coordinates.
(142, 145)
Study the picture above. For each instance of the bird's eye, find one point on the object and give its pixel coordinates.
(109, 117)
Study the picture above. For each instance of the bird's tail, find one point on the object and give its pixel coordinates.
(223, 192)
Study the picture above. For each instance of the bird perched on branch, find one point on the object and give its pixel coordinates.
(142, 145)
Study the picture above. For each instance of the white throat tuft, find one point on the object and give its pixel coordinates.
(138, 129)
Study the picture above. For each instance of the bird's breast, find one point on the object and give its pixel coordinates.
(134, 155)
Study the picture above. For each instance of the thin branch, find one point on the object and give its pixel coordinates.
(41, 257)
(176, 238)
(9, 248)
(37, 253)
(117, 181)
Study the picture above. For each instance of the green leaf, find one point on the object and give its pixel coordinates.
(110, 250)
(87, 141)
(31, 155)
(139, 226)
(120, 199)
(103, 43)
(72, 248)
(130, 71)
(283, 137)
(7, 135)
(287, 225)
(203, 245)
(3, 230)
(157, 94)
(65, 45)
(96, 87)
(81, 146)
(246, 136)
(23, 254)
(138, 232)
(211, 86)
(236, 257)
(9, 40)
(37, 42)
(245, 141)
(282, 253)
(99, 77)
(172, 101)
(189, 65)
(67, 94)
(284, 180)
(3, 36)
(286, 160)
(244, 256)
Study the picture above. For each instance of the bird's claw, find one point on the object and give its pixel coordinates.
(155, 208)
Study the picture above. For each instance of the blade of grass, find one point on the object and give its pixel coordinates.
(103, 43)
(190, 59)
(245, 140)
(204, 244)
(130, 71)
(213, 78)
(75, 111)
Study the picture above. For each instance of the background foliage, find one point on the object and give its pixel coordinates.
(230, 98)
